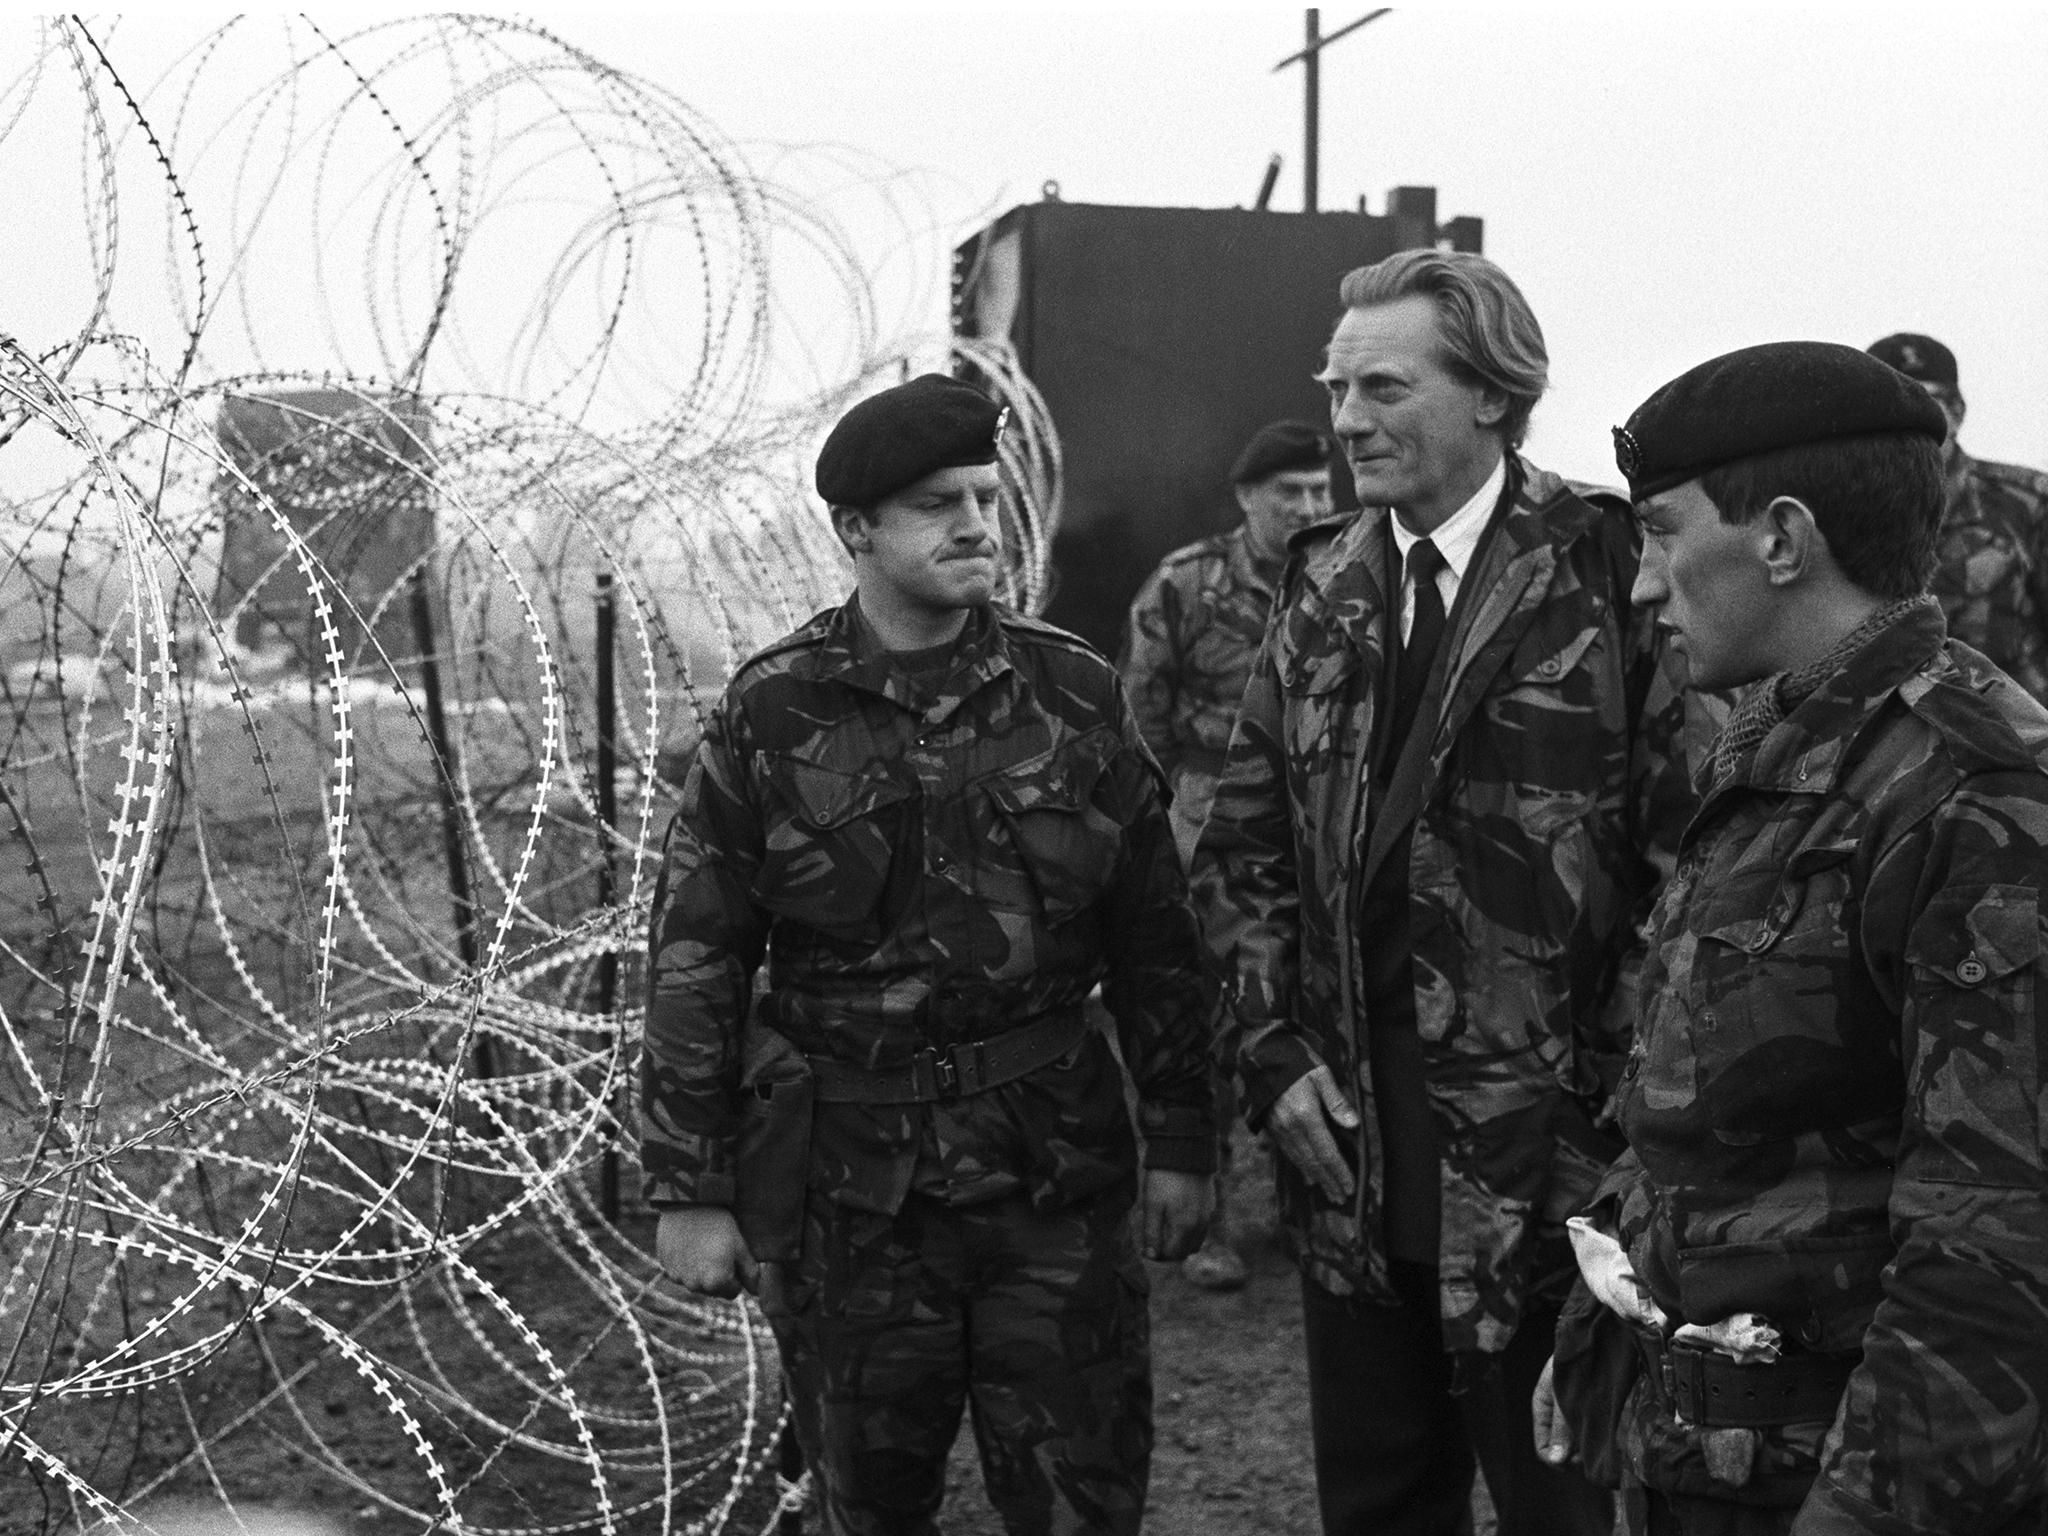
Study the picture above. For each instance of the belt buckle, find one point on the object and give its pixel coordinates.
(1685, 1375)
(940, 1070)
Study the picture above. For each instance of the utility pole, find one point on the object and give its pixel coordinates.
(1311, 107)
(1311, 59)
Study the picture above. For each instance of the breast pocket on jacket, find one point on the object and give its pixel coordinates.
(831, 841)
(1557, 714)
(1546, 660)
(1788, 1033)
(1054, 832)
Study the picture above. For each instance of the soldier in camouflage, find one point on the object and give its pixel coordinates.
(1196, 623)
(1194, 628)
(1829, 1235)
(934, 820)
(1452, 793)
(1991, 562)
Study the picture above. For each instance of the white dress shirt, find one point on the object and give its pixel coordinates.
(1456, 539)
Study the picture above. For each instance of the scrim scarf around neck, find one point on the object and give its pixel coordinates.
(1764, 705)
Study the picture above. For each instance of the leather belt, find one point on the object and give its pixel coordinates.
(972, 1067)
(1707, 1388)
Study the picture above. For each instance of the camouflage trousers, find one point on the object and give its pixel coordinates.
(1035, 1321)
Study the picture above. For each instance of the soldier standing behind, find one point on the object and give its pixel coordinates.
(1194, 630)
(1196, 623)
(1829, 1234)
(1991, 562)
(934, 819)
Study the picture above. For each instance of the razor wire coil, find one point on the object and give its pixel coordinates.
(297, 675)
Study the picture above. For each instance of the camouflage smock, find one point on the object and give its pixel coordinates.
(1991, 566)
(1194, 631)
(925, 876)
(1554, 800)
(1834, 1105)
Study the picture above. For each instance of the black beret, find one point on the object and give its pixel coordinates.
(1278, 447)
(898, 437)
(1917, 357)
(1779, 395)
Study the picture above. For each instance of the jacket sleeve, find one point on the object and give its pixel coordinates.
(1157, 988)
(1672, 730)
(1942, 1426)
(705, 943)
(1150, 662)
(1248, 892)
(2033, 676)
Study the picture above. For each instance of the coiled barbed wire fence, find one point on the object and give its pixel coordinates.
(403, 434)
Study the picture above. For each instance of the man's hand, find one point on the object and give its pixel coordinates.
(1553, 1435)
(700, 1248)
(1174, 1211)
(1299, 1124)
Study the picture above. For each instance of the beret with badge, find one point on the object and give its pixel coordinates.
(1760, 399)
(1279, 448)
(1920, 358)
(896, 438)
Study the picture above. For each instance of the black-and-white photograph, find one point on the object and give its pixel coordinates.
(894, 768)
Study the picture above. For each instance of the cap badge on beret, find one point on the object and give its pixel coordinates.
(1002, 425)
(1910, 360)
(1628, 453)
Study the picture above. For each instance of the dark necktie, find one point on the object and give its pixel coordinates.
(1424, 635)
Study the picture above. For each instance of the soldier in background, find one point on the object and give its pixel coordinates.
(1991, 562)
(1194, 629)
(1829, 1233)
(934, 820)
(1196, 623)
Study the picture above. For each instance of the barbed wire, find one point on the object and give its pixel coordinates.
(385, 401)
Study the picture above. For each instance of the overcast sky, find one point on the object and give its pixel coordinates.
(1665, 183)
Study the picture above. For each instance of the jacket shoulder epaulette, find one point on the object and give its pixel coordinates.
(1572, 513)
(1985, 719)
(2030, 481)
(805, 637)
(1321, 531)
(1306, 545)
(1606, 497)
(1210, 548)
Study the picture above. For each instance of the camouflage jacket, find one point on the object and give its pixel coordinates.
(1194, 630)
(1553, 803)
(1834, 1103)
(925, 873)
(1991, 569)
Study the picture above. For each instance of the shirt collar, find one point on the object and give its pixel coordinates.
(1457, 536)
(852, 653)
